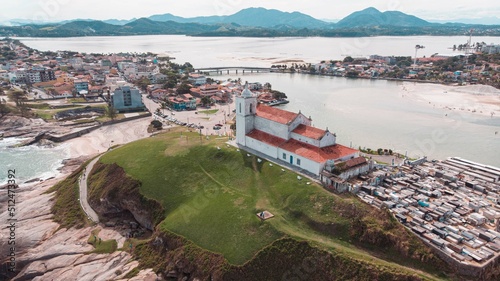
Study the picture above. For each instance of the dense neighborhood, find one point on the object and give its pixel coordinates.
(117, 79)
(481, 65)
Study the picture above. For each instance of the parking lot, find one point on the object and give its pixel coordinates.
(217, 124)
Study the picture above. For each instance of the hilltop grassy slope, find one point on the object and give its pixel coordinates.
(211, 193)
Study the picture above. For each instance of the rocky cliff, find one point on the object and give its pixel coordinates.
(112, 192)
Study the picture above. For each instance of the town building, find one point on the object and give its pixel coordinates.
(197, 79)
(289, 137)
(126, 99)
(76, 62)
(64, 78)
(182, 102)
(81, 85)
(491, 49)
(33, 75)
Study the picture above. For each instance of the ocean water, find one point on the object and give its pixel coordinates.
(29, 162)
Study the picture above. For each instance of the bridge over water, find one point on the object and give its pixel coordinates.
(229, 69)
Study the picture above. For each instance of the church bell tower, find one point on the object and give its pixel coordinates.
(246, 106)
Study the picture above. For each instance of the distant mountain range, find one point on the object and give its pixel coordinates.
(254, 22)
(485, 21)
(254, 17)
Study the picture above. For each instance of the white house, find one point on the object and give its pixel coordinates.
(287, 136)
(197, 79)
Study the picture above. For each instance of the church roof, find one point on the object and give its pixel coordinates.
(266, 138)
(317, 154)
(275, 114)
(309, 132)
(305, 150)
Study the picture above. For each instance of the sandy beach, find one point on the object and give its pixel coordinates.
(477, 99)
(101, 139)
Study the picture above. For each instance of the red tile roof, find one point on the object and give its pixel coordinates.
(317, 154)
(275, 114)
(352, 163)
(266, 138)
(309, 132)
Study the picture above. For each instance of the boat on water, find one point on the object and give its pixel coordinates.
(277, 102)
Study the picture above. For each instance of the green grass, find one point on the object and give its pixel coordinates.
(133, 273)
(211, 197)
(208, 112)
(38, 105)
(66, 209)
(77, 100)
(101, 246)
(105, 118)
(83, 121)
(46, 113)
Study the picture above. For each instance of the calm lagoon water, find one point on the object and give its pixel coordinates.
(238, 51)
(373, 113)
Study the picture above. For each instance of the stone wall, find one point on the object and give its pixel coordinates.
(478, 272)
(90, 129)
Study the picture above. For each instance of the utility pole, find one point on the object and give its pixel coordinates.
(467, 48)
(417, 47)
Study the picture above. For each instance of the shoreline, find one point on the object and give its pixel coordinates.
(482, 100)
(386, 79)
(87, 145)
(464, 97)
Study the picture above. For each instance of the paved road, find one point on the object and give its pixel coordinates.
(83, 192)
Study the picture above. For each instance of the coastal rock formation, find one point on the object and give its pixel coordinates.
(16, 126)
(44, 251)
(84, 266)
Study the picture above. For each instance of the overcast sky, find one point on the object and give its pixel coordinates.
(55, 10)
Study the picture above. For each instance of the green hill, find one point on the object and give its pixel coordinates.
(252, 17)
(370, 17)
(147, 26)
(210, 194)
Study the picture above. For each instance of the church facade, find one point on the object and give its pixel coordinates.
(289, 137)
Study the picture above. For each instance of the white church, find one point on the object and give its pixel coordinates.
(289, 136)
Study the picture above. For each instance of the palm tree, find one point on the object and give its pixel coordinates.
(163, 106)
(205, 101)
(111, 112)
(17, 97)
